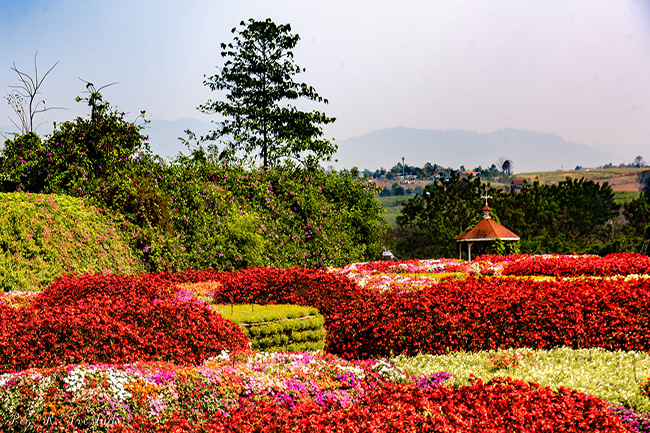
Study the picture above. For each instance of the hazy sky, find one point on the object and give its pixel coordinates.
(579, 69)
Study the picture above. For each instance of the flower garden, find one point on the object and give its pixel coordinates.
(503, 343)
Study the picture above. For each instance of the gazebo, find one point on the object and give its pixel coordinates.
(486, 230)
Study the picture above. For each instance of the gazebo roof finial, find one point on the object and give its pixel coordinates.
(486, 196)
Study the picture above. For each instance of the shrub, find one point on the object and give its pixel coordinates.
(569, 266)
(474, 314)
(109, 319)
(273, 328)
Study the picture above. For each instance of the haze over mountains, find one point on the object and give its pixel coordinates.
(529, 151)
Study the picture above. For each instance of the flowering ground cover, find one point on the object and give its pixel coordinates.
(138, 328)
(416, 274)
(615, 377)
(111, 319)
(573, 265)
(249, 392)
(45, 236)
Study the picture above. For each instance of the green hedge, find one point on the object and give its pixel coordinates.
(273, 328)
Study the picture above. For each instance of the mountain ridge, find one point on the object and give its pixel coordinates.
(529, 151)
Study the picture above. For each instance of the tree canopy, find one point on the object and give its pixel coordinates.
(258, 80)
(571, 216)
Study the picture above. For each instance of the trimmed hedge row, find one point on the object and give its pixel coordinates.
(274, 328)
(110, 319)
(475, 314)
(571, 266)
(501, 405)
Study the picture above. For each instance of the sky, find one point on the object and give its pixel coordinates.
(579, 69)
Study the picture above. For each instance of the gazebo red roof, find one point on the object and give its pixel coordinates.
(487, 230)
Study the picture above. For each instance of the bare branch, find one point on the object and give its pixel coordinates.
(23, 97)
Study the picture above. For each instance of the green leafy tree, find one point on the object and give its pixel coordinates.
(257, 78)
(430, 222)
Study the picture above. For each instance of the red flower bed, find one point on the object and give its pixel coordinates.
(104, 319)
(480, 314)
(475, 314)
(72, 289)
(571, 266)
(501, 405)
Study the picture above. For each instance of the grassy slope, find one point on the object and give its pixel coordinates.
(44, 236)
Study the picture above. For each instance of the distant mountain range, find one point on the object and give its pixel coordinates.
(529, 151)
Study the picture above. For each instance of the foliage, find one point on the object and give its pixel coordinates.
(573, 208)
(257, 78)
(306, 217)
(45, 236)
(75, 159)
(611, 376)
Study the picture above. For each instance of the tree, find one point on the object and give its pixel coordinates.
(258, 80)
(506, 165)
(23, 98)
(638, 162)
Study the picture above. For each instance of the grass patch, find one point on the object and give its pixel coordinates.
(393, 207)
(622, 197)
(549, 177)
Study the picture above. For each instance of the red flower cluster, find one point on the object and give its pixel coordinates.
(111, 319)
(571, 266)
(121, 319)
(501, 405)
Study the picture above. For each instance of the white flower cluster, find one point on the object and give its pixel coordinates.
(76, 379)
(389, 371)
(5, 378)
(116, 381)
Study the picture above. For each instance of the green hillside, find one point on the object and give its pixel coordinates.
(44, 236)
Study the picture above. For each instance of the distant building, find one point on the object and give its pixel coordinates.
(516, 185)
(471, 173)
(408, 178)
